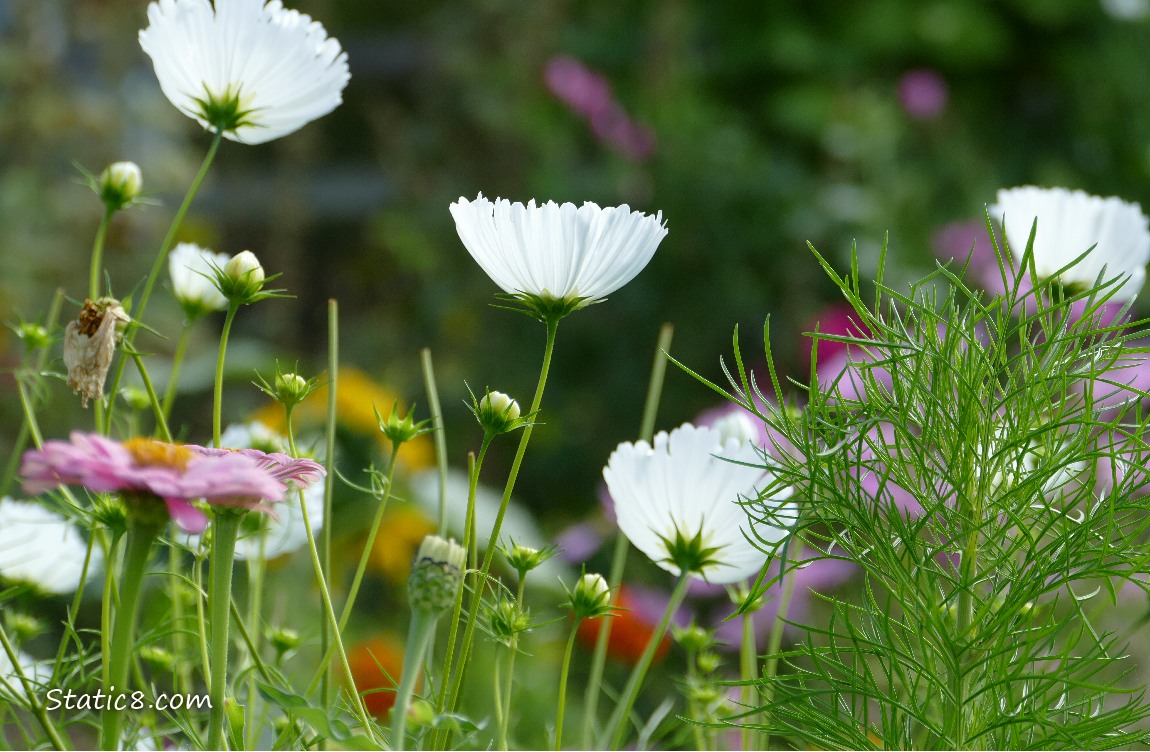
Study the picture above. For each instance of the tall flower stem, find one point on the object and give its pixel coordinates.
(439, 434)
(98, 253)
(225, 528)
(622, 545)
(563, 683)
(418, 639)
(218, 393)
(143, 530)
(329, 484)
(513, 649)
(748, 672)
(137, 311)
(325, 595)
(177, 364)
(525, 438)
(617, 726)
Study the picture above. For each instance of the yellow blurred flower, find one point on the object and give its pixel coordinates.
(356, 394)
(400, 534)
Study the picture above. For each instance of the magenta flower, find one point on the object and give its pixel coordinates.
(589, 95)
(175, 473)
(923, 94)
(283, 467)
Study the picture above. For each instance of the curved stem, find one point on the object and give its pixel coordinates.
(225, 528)
(622, 545)
(563, 684)
(218, 394)
(98, 253)
(161, 422)
(617, 726)
(138, 547)
(137, 312)
(174, 376)
(473, 614)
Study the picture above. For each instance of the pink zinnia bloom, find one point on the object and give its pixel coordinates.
(175, 473)
(283, 467)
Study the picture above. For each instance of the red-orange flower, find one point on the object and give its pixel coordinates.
(377, 665)
(631, 630)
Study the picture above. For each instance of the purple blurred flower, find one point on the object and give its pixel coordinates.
(923, 93)
(837, 319)
(589, 95)
(175, 473)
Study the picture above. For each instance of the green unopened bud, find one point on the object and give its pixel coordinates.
(400, 430)
(693, 637)
(708, 661)
(136, 397)
(524, 558)
(420, 714)
(291, 388)
(435, 574)
(497, 413)
(283, 640)
(109, 510)
(508, 620)
(704, 694)
(33, 336)
(24, 627)
(591, 597)
(242, 278)
(158, 658)
(120, 185)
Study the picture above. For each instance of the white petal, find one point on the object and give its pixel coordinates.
(42, 548)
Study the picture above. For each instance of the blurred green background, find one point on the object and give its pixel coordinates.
(753, 126)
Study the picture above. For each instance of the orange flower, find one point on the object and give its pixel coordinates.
(400, 533)
(377, 665)
(630, 632)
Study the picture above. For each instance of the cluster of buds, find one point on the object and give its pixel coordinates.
(436, 573)
(89, 343)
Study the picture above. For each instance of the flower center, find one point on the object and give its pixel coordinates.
(690, 553)
(152, 453)
(227, 111)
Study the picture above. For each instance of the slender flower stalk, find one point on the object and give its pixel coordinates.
(225, 528)
(174, 376)
(218, 393)
(524, 439)
(622, 545)
(439, 433)
(618, 723)
(775, 640)
(98, 253)
(563, 682)
(31, 692)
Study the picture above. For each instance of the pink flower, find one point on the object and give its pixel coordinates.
(923, 93)
(589, 95)
(175, 473)
(283, 467)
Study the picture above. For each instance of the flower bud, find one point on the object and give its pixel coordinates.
(420, 714)
(400, 430)
(291, 388)
(158, 658)
(283, 639)
(34, 336)
(435, 574)
(708, 661)
(693, 638)
(242, 278)
(136, 397)
(591, 597)
(524, 558)
(497, 413)
(24, 627)
(120, 184)
(508, 620)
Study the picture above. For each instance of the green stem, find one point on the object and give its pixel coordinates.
(98, 253)
(141, 534)
(622, 545)
(440, 435)
(174, 376)
(617, 726)
(29, 414)
(329, 482)
(74, 608)
(137, 311)
(218, 394)
(157, 410)
(255, 606)
(325, 594)
(473, 614)
(418, 639)
(514, 649)
(179, 635)
(692, 703)
(563, 684)
(748, 663)
(225, 528)
(32, 694)
(201, 618)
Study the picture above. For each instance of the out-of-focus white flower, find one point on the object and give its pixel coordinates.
(250, 68)
(193, 271)
(678, 502)
(557, 253)
(1127, 10)
(41, 548)
(254, 435)
(1069, 224)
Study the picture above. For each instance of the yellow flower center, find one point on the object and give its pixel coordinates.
(159, 454)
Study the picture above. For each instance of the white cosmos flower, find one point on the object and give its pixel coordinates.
(557, 252)
(43, 549)
(1069, 224)
(689, 484)
(192, 270)
(257, 71)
